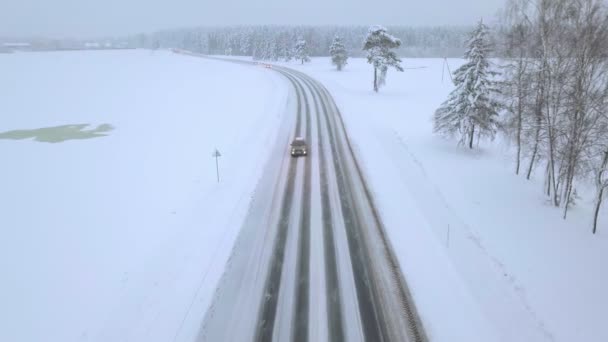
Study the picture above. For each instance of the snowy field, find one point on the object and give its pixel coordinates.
(534, 276)
(118, 231)
(114, 228)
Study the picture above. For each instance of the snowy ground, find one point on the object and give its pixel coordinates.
(123, 237)
(535, 276)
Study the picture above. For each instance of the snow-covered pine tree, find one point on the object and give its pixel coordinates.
(379, 45)
(273, 49)
(257, 48)
(301, 51)
(338, 53)
(245, 42)
(267, 48)
(286, 52)
(472, 106)
(284, 46)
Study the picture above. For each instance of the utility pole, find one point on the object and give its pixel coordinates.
(445, 64)
(216, 154)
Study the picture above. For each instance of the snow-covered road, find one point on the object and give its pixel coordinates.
(312, 262)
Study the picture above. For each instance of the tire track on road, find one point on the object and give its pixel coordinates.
(268, 308)
(333, 296)
(301, 309)
(365, 295)
(414, 326)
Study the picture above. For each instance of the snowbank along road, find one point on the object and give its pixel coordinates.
(312, 262)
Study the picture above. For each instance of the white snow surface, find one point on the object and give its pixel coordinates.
(513, 270)
(124, 237)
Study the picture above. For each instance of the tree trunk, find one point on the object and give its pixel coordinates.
(376, 80)
(598, 204)
(538, 113)
(532, 160)
(547, 181)
(600, 191)
(569, 179)
(568, 195)
(472, 135)
(555, 179)
(519, 119)
(518, 145)
(552, 180)
(576, 135)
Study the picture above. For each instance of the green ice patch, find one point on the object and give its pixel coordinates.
(59, 134)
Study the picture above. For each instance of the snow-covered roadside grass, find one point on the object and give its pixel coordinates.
(534, 276)
(124, 237)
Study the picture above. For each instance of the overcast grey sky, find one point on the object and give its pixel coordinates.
(80, 18)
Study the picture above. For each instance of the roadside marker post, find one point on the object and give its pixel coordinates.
(216, 154)
(447, 241)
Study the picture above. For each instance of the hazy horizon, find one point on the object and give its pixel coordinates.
(67, 19)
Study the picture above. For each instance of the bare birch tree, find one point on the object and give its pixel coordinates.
(556, 91)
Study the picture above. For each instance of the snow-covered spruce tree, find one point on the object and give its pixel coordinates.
(472, 106)
(300, 52)
(379, 45)
(339, 55)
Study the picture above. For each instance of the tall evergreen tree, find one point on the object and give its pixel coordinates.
(472, 106)
(284, 45)
(339, 55)
(301, 52)
(379, 45)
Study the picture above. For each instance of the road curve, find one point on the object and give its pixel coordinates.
(312, 261)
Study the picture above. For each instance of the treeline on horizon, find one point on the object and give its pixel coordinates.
(273, 42)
